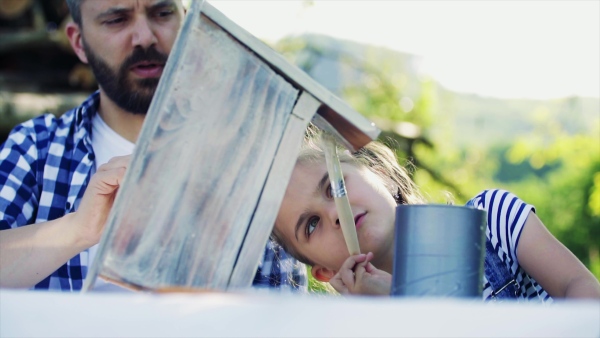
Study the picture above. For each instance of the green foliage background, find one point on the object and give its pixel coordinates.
(546, 152)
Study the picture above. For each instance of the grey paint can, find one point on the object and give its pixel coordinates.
(439, 251)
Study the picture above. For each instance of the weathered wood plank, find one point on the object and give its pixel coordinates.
(279, 176)
(199, 168)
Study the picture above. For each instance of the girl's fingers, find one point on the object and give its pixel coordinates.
(346, 273)
(351, 261)
(347, 277)
(338, 285)
(360, 269)
(368, 266)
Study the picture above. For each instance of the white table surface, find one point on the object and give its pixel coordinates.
(270, 314)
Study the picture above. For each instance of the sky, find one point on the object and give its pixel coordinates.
(507, 49)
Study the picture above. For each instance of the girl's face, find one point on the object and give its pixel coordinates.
(308, 220)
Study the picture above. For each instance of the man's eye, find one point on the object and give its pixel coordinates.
(114, 21)
(311, 225)
(166, 13)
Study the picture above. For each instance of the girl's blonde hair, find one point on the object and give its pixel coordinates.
(376, 157)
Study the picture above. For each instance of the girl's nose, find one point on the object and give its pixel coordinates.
(332, 215)
(143, 35)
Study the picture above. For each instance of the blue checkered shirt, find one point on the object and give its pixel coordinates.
(45, 166)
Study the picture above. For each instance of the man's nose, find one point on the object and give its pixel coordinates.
(143, 35)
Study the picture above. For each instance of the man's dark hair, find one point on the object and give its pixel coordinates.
(75, 9)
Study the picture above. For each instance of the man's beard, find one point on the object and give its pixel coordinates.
(131, 95)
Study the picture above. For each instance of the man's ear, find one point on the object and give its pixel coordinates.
(322, 274)
(73, 32)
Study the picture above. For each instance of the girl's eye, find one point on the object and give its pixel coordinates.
(329, 190)
(311, 225)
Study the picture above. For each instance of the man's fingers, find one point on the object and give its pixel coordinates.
(116, 162)
(110, 175)
(107, 181)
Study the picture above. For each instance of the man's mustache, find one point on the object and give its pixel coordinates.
(144, 55)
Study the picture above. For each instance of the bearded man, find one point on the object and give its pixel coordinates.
(59, 176)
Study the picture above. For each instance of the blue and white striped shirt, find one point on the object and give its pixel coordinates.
(506, 216)
(45, 166)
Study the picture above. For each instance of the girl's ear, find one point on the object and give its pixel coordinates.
(322, 274)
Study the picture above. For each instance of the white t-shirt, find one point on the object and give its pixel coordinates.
(106, 144)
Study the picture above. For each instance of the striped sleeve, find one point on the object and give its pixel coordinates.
(506, 216)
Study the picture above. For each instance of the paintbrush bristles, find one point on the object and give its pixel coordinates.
(338, 188)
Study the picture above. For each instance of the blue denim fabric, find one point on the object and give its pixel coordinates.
(496, 272)
(498, 275)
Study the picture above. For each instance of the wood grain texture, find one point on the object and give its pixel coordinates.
(279, 176)
(200, 166)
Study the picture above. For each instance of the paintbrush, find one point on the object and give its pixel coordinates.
(338, 190)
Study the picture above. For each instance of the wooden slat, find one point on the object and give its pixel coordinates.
(283, 165)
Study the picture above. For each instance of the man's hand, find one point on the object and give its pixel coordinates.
(90, 217)
(358, 276)
(28, 254)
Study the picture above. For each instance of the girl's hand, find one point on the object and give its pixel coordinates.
(358, 276)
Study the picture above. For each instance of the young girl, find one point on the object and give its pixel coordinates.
(523, 260)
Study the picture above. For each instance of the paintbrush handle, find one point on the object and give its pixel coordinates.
(338, 188)
(347, 224)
